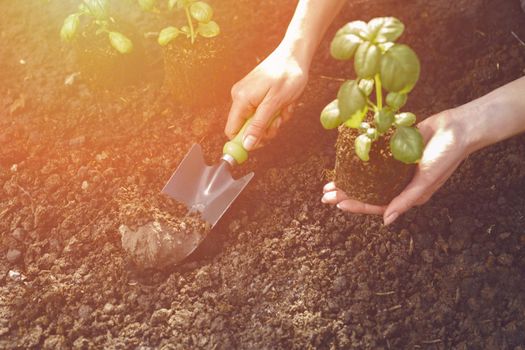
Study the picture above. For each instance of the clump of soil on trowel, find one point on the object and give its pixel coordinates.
(157, 231)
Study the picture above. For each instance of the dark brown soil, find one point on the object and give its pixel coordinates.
(377, 181)
(280, 270)
(198, 74)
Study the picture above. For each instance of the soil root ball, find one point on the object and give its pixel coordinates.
(377, 181)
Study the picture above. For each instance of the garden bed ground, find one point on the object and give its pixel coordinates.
(280, 270)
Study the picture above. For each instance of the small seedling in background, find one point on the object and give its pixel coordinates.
(381, 63)
(199, 16)
(96, 11)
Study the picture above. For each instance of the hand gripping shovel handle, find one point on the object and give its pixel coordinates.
(234, 147)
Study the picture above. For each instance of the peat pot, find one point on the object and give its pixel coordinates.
(377, 181)
(102, 66)
(198, 74)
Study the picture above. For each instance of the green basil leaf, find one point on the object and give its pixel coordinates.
(182, 3)
(362, 147)
(352, 104)
(355, 119)
(330, 115)
(407, 144)
(358, 28)
(396, 100)
(383, 120)
(384, 29)
(201, 11)
(167, 34)
(405, 119)
(83, 9)
(372, 134)
(70, 26)
(186, 30)
(367, 60)
(366, 85)
(208, 30)
(364, 126)
(97, 8)
(384, 47)
(400, 69)
(120, 42)
(147, 5)
(344, 46)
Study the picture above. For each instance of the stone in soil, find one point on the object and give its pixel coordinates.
(19, 234)
(461, 231)
(13, 255)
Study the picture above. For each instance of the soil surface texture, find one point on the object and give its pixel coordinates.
(280, 270)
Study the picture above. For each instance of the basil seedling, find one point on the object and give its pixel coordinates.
(199, 15)
(96, 12)
(380, 63)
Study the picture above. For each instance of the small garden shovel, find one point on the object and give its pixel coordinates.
(209, 190)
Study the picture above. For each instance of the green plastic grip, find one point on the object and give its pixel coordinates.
(234, 147)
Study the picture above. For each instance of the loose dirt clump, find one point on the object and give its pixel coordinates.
(156, 235)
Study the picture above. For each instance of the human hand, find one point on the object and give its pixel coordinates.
(268, 91)
(446, 147)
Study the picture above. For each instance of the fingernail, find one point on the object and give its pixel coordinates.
(323, 199)
(249, 142)
(391, 218)
(340, 206)
(278, 122)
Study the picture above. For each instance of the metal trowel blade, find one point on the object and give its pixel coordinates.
(209, 190)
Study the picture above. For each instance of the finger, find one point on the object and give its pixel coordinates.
(426, 130)
(357, 207)
(274, 128)
(408, 198)
(334, 197)
(240, 110)
(259, 123)
(437, 185)
(287, 112)
(329, 187)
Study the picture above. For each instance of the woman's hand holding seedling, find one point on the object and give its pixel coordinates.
(269, 91)
(450, 137)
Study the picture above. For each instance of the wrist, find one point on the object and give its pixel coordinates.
(299, 49)
(482, 122)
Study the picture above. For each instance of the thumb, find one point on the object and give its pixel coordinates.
(258, 125)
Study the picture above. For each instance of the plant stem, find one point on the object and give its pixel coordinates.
(188, 17)
(371, 104)
(379, 92)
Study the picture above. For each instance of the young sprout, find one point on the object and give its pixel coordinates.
(199, 21)
(379, 63)
(96, 11)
